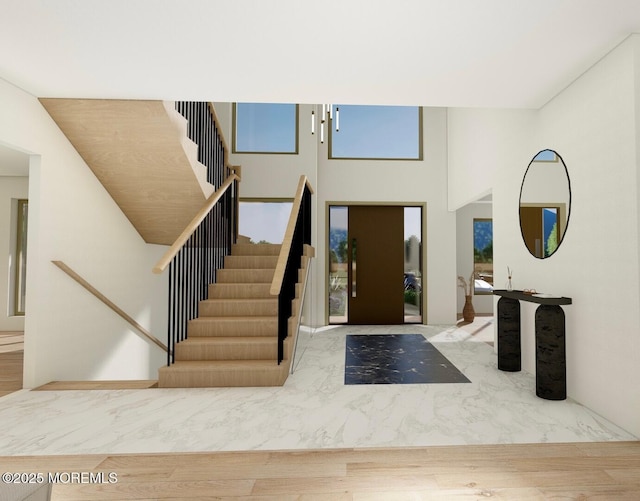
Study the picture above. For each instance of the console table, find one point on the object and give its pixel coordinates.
(551, 367)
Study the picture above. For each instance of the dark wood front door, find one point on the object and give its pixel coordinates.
(376, 265)
(537, 225)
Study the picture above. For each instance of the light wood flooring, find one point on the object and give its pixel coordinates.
(581, 471)
(11, 341)
(138, 384)
(11, 359)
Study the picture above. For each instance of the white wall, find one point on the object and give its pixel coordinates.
(482, 303)
(69, 335)
(592, 125)
(546, 182)
(413, 182)
(403, 182)
(11, 189)
(484, 145)
(273, 175)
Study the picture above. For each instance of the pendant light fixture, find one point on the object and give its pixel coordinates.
(327, 115)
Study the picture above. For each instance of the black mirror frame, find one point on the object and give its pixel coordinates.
(569, 204)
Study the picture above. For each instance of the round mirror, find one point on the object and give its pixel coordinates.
(545, 203)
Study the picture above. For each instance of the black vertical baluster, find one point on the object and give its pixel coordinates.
(179, 288)
(195, 265)
(170, 315)
(192, 284)
(182, 291)
(185, 289)
(198, 271)
(192, 279)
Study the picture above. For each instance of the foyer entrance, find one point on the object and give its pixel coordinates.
(375, 265)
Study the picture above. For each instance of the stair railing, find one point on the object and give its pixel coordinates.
(198, 253)
(297, 234)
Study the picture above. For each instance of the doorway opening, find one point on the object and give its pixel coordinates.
(375, 267)
(14, 193)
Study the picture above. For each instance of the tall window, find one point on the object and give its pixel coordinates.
(265, 128)
(378, 132)
(483, 255)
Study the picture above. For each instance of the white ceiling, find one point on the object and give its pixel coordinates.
(469, 53)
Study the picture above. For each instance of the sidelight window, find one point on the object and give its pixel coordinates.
(483, 256)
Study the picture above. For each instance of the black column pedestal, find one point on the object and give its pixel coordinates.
(509, 357)
(551, 367)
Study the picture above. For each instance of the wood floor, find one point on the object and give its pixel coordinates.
(11, 358)
(594, 471)
(11, 341)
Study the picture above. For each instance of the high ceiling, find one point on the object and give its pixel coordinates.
(469, 53)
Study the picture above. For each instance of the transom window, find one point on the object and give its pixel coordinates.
(377, 132)
(265, 128)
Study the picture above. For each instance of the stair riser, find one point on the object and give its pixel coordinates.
(240, 291)
(231, 276)
(250, 262)
(295, 308)
(255, 250)
(231, 308)
(220, 378)
(240, 327)
(227, 351)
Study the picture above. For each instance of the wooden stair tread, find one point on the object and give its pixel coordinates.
(214, 365)
(231, 339)
(256, 318)
(241, 300)
(256, 249)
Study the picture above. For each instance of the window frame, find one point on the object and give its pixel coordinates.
(20, 269)
(419, 158)
(234, 132)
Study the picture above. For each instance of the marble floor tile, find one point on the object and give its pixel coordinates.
(314, 409)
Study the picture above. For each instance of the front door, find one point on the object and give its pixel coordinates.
(375, 265)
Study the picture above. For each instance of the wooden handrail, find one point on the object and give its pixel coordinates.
(109, 303)
(278, 276)
(193, 225)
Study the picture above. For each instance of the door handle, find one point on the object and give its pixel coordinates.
(354, 244)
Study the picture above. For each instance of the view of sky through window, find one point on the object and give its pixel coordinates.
(545, 156)
(385, 132)
(265, 128)
(264, 221)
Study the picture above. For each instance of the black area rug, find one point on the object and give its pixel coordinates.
(397, 359)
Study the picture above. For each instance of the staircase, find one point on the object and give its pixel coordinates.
(234, 340)
(145, 155)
